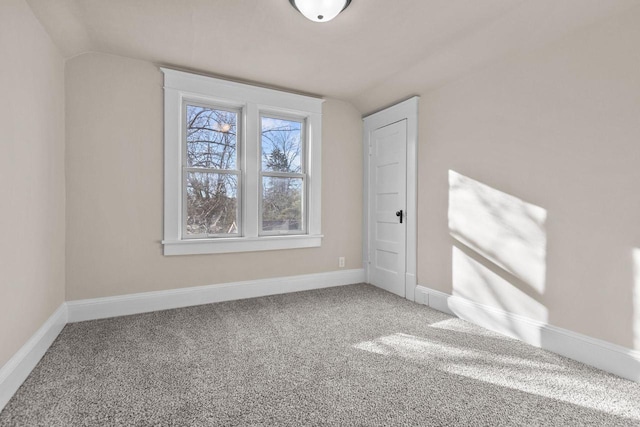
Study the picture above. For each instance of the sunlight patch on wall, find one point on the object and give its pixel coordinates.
(475, 282)
(636, 299)
(502, 228)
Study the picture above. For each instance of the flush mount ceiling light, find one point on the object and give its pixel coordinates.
(320, 10)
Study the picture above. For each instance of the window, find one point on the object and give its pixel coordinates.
(211, 174)
(242, 167)
(282, 177)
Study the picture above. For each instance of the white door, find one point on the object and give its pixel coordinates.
(387, 206)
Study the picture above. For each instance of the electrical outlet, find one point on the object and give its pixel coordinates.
(341, 262)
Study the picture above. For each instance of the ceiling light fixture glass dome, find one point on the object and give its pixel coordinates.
(320, 10)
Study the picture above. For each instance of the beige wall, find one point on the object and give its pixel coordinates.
(558, 130)
(546, 142)
(115, 181)
(32, 184)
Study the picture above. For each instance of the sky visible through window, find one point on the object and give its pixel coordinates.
(282, 185)
(281, 145)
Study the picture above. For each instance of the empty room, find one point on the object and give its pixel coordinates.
(320, 212)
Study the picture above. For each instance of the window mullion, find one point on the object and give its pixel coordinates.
(211, 170)
(284, 174)
(251, 142)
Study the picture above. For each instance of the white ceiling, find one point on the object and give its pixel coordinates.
(410, 45)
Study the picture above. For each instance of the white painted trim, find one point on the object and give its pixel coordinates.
(123, 305)
(252, 101)
(232, 91)
(246, 244)
(18, 368)
(600, 354)
(404, 110)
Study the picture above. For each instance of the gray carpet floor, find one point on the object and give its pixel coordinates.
(351, 355)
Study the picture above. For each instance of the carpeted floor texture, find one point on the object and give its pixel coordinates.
(352, 355)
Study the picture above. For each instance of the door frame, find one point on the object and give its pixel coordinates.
(405, 110)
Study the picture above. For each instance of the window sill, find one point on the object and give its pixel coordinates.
(240, 244)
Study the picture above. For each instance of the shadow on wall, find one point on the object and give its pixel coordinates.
(499, 251)
(636, 298)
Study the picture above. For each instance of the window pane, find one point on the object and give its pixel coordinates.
(281, 204)
(212, 203)
(211, 138)
(281, 145)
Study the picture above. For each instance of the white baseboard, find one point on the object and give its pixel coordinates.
(18, 368)
(600, 354)
(410, 281)
(122, 305)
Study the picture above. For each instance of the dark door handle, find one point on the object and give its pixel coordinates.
(399, 214)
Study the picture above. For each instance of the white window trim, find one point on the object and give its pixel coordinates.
(180, 86)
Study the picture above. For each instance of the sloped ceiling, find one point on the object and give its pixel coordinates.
(374, 53)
